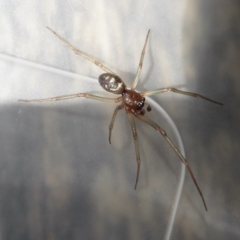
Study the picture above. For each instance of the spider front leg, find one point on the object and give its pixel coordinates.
(160, 130)
(135, 138)
(66, 97)
(78, 52)
(113, 120)
(163, 90)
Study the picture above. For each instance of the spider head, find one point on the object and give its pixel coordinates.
(112, 83)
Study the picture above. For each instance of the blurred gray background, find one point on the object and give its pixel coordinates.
(59, 177)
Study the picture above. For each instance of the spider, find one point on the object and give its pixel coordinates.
(130, 99)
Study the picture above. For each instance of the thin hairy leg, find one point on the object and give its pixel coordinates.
(140, 63)
(78, 52)
(66, 97)
(163, 90)
(135, 138)
(160, 130)
(113, 120)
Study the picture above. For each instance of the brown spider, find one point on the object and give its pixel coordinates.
(131, 100)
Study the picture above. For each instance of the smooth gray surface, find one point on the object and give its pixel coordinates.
(211, 133)
(194, 45)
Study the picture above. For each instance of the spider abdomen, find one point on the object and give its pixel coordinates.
(133, 99)
(112, 83)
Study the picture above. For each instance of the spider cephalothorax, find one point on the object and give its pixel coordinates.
(133, 102)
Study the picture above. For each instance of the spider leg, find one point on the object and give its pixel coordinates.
(134, 132)
(66, 97)
(160, 130)
(113, 120)
(163, 90)
(140, 63)
(78, 52)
